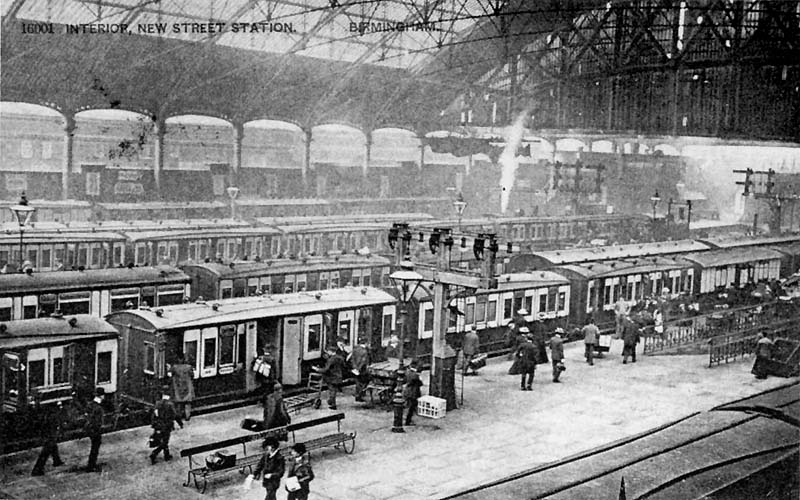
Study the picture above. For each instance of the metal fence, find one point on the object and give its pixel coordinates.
(724, 321)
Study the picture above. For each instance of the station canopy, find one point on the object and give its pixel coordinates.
(371, 63)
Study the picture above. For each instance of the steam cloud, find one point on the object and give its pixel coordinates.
(508, 159)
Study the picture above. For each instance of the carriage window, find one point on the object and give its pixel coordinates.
(288, 283)
(385, 276)
(192, 246)
(74, 303)
(104, 367)
(543, 302)
(36, 373)
(428, 322)
(344, 331)
(323, 281)
(226, 289)
(314, 337)
(59, 362)
(388, 323)
(301, 282)
(562, 301)
(127, 298)
(356, 278)
(28, 311)
(480, 309)
(220, 249)
(47, 304)
(33, 255)
(252, 286)
(140, 254)
(470, 314)
(226, 344)
(190, 352)
(365, 277)
(529, 304)
(552, 294)
(167, 295)
(491, 310)
(241, 343)
(334, 279)
(149, 358)
(83, 256)
(265, 283)
(231, 249)
(508, 304)
(209, 353)
(97, 255)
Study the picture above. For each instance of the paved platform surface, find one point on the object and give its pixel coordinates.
(498, 431)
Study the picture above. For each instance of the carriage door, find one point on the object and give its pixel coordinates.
(345, 330)
(250, 353)
(12, 373)
(290, 374)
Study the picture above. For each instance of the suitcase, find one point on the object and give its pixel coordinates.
(478, 361)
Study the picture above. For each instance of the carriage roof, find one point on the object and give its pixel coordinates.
(230, 232)
(593, 254)
(26, 333)
(623, 267)
(242, 269)
(33, 236)
(736, 255)
(60, 281)
(734, 242)
(199, 314)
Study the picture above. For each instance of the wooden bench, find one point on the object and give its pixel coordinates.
(336, 439)
(201, 474)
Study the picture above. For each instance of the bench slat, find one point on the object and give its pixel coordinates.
(336, 417)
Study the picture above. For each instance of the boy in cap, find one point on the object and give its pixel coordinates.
(526, 357)
(164, 417)
(469, 347)
(94, 427)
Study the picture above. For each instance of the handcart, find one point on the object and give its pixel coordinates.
(311, 396)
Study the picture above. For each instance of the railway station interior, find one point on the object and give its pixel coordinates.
(400, 249)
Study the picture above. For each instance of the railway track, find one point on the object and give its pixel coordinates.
(701, 453)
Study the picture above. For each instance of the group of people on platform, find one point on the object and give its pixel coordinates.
(271, 468)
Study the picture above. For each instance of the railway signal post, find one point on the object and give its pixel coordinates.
(442, 378)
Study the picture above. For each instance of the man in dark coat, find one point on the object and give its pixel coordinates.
(94, 427)
(272, 466)
(763, 351)
(539, 337)
(300, 468)
(526, 358)
(164, 417)
(557, 353)
(469, 347)
(630, 337)
(332, 374)
(412, 391)
(359, 361)
(52, 418)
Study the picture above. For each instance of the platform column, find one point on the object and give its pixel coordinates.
(367, 152)
(306, 158)
(159, 128)
(238, 135)
(66, 165)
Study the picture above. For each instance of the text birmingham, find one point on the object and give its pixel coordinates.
(386, 26)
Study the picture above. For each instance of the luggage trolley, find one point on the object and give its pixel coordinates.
(311, 396)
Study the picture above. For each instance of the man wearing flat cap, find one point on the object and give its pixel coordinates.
(557, 353)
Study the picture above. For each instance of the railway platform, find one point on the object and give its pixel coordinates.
(499, 431)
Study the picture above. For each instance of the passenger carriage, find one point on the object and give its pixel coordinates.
(597, 286)
(551, 258)
(213, 280)
(543, 294)
(171, 247)
(48, 250)
(222, 338)
(733, 267)
(46, 360)
(96, 292)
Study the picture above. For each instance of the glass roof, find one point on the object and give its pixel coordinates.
(396, 33)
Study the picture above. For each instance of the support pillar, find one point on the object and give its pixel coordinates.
(468, 166)
(421, 154)
(306, 158)
(610, 109)
(66, 164)
(443, 367)
(160, 128)
(238, 135)
(367, 152)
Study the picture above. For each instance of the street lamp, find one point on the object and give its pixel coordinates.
(689, 215)
(233, 192)
(460, 205)
(23, 213)
(655, 199)
(406, 280)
